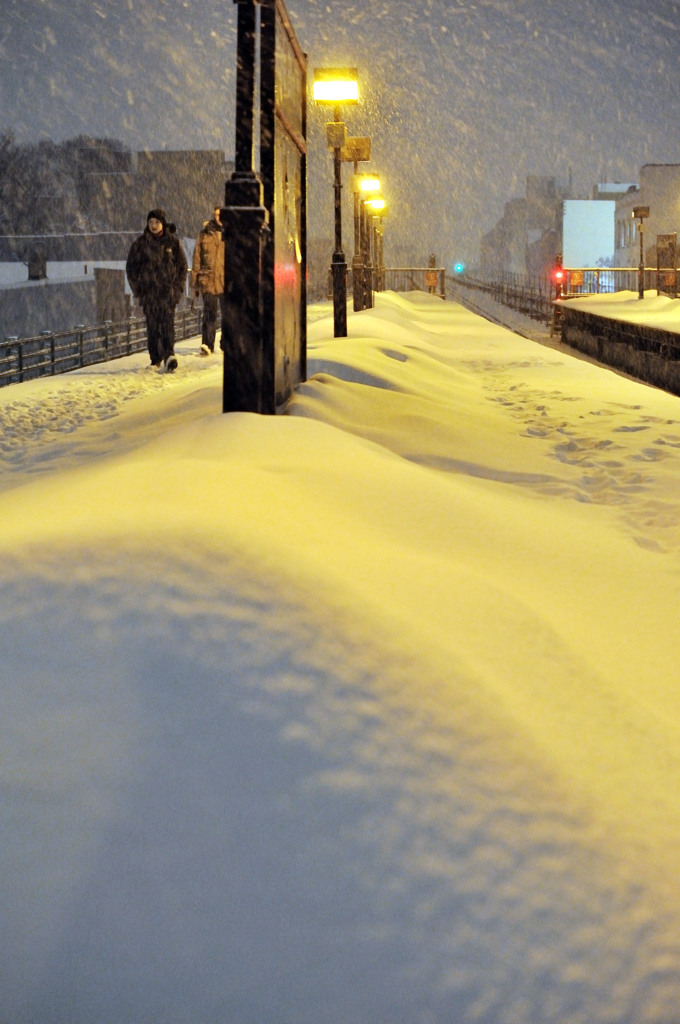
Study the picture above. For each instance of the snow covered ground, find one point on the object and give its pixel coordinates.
(363, 714)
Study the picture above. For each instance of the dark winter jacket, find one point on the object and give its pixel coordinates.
(157, 268)
(207, 271)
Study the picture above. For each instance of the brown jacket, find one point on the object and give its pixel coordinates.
(207, 270)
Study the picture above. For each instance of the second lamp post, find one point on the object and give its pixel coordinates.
(335, 86)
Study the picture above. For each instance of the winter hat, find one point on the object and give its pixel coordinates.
(158, 214)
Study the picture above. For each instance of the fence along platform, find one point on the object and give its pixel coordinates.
(49, 354)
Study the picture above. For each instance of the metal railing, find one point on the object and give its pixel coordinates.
(50, 353)
(607, 280)
(534, 297)
(411, 279)
(399, 279)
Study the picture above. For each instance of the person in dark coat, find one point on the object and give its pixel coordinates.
(156, 269)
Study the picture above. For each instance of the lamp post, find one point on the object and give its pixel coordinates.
(639, 213)
(378, 208)
(368, 187)
(356, 149)
(335, 86)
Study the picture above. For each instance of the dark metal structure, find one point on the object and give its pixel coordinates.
(283, 166)
(264, 219)
(339, 263)
(640, 213)
(367, 266)
(357, 148)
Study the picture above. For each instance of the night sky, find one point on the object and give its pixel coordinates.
(461, 99)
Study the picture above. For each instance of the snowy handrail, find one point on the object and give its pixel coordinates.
(52, 353)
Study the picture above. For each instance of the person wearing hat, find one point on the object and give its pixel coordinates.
(207, 277)
(156, 270)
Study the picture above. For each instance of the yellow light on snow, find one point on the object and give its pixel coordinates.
(376, 204)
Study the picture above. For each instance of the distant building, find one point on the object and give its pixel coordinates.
(588, 233)
(599, 231)
(659, 190)
(527, 237)
(74, 250)
(612, 189)
(186, 184)
(589, 226)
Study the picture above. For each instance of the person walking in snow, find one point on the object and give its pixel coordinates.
(207, 277)
(157, 269)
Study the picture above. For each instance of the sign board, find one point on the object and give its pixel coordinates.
(283, 168)
(356, 148)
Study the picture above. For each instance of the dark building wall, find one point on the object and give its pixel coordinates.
(541, 254)
(44, 306)
(99, 157)
(503, 249)
(319, 253)
(112, 302)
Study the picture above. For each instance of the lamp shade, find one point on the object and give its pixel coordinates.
(336, 85)
(369, 184)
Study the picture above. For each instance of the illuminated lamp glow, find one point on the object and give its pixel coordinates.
(336, 85)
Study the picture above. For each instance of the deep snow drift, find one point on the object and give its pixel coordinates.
(363, 714)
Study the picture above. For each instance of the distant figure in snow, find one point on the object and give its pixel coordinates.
(157, 270)
(431, 275)
(207, 277)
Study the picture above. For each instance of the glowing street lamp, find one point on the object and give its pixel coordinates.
(369, 185)
(335, 86)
